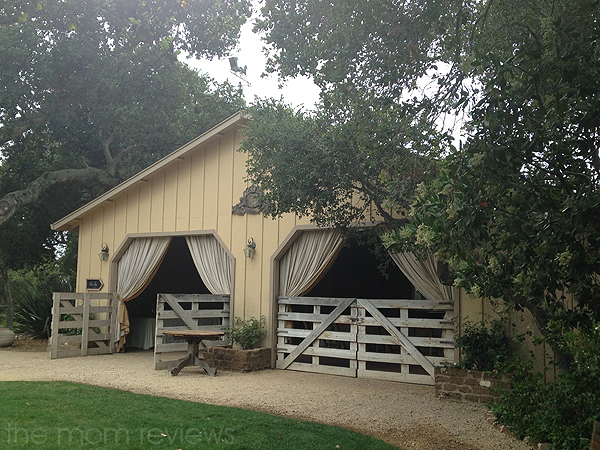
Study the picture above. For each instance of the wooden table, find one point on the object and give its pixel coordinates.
(194, 339)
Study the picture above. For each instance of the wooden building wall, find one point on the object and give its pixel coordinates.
(197, 192)
(191, 194)
(519, 324)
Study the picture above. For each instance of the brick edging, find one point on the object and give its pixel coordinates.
(479, 387)
(468, 385)
(238, 360)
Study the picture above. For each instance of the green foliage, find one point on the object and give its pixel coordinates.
(561, 412)
(32, 292)
(57, 415)
(311, 165)
(247, 333)
(516, 210)
(484, 345)
(97, 85)
(380, 46)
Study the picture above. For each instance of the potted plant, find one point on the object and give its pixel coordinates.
(246, 333)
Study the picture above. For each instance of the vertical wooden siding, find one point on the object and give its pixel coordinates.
(191, 194)
(197, 193)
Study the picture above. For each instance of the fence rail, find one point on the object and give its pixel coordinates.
(396, 339)
(176, 312)
(83, 324)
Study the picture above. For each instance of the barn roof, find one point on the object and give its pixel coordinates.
(71, 221)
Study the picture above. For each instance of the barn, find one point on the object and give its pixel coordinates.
(184, 245)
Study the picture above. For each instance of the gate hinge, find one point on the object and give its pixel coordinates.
(446, 303)
(354, 319)
(285, 350)
(282, 314)
(282, 331)
(446, 322)
(447, 342)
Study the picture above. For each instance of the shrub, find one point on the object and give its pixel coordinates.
(484, 346)
(561, 412)
(32, 292)
(247, 332)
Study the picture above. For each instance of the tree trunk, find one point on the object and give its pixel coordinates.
(7, 294)
(13, 200)
(562, 359)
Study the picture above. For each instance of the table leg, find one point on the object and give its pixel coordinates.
(192, 359)
(200, 361)
(176, 367)
(209, 370)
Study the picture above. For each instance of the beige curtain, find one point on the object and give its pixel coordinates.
(137, 267)
(309, 257)
(423, 276)
(212, 262)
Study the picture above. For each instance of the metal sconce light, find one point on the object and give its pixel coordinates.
(103, 255)
(250, 249)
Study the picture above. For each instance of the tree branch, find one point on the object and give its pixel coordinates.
(12, 201)
(9, 133)
(112, 166)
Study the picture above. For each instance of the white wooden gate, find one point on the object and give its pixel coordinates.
(186, 312)
(83, 324)
(399, 340)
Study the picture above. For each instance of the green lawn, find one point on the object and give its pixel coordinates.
(59, 415)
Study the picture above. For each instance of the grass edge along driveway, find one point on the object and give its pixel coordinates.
(58, 415)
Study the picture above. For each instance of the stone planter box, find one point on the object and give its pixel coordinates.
(468, 385)
(238, 360)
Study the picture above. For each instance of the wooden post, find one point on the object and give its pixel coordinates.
(55, 321)
(595, 444)
(8, 295)
(85, 327)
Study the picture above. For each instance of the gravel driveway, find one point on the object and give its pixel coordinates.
(405, 415)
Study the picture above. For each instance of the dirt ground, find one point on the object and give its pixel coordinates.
(407, 416)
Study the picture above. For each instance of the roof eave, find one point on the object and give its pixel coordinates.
(71, 221)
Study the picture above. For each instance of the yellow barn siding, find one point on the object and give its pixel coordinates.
(225, 194)
(97, 236)
(83, 260)
(236, 246)
(197, 191)
(286, 224)
(170, 199)
(211, 182)
(108, 230)
(475, 310)
(183, 195)
(120, 218)
(145, 207)
(270, 245)
(253, 292)
(133, 210)
(157, 203)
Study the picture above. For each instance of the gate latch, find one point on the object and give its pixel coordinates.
(354, 319)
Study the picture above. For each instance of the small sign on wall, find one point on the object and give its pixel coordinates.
(93, 284)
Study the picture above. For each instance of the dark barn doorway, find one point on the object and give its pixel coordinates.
(358, 273)
(176, 274)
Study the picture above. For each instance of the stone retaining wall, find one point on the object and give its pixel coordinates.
(467, 385)
(238, 360)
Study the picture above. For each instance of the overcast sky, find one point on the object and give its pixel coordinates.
(300, 91)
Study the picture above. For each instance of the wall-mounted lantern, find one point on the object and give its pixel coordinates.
(103, 255)
(250, 249)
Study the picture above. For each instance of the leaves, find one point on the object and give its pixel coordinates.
(97, 85)
(516, 211)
